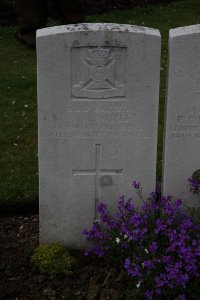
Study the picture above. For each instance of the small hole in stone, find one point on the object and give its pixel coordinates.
(106, 180)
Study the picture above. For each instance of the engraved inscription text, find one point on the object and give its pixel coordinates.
(187, 124)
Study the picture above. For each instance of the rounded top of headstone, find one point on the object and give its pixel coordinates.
(96, 27)
(180, 31)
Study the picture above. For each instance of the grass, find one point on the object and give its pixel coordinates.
(18, 99)
(18, 122)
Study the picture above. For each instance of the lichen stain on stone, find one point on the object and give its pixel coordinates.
(105, 181)
(75, 43)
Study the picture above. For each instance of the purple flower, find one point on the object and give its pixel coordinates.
(166, 259)
(148, 264)
(159, 226)
(194, 185)
(159, 244)
(181, 297)
(136, 220)
(127, 263)
(178, 202)
(101, 207)
(136, 184)
(153, 247)
(149, 295)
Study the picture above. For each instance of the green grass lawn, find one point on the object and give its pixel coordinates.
(18, 99)
(18, 121)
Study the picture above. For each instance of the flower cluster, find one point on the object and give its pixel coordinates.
(194, 185)
(158, 244)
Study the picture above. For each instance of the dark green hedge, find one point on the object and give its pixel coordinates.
(103, 5)
(7, 7)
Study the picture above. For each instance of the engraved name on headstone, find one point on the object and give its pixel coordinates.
(182, 128)
(98, 91)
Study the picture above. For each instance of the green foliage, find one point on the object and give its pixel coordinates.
(18, 122)
(6, 5)
(53, 260)
(193, 290)
(195, 213)
(196, 175)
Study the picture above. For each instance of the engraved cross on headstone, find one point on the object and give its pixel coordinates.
(97, 171)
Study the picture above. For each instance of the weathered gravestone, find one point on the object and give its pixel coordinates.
(98, 91)
(182, 132)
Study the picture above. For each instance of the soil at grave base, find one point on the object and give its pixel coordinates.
(18, 280)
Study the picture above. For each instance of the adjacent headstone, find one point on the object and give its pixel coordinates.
(98, 92)
(182, 132)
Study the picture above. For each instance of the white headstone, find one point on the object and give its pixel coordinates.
(98, 92)
(182, 131)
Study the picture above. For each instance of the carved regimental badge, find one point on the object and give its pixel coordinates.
(98, 72)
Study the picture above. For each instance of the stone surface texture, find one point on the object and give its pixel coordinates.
(182, 128)
(98, 92)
